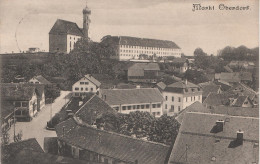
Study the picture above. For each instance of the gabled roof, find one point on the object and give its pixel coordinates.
(138, 69)
(93, 80)
(29, 157)
(242, 89)
(228, 69)
(16, 91)
(65, 27)
(240, 101)
(13, 148)
(233, 77)
(111, 144)
(214, 99)
(209, 88)
(94, 108)
(198, 143)
(182, 85)
(131, 96)
(42, 80)
(246, 76)
(161, 85)
(225, 110)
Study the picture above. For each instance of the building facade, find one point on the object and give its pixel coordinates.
(64, 34)
(130, 100)
(180, 95)
(128, 48)
(87, 84)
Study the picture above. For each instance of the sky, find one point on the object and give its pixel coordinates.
(31, 20)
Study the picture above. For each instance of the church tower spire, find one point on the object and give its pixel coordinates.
(86, 21)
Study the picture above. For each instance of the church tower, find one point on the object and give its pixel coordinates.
(86, 21)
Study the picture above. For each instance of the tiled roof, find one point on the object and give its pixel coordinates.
(42, 80)
(161, 85)
(188, 89)
(133, 41)
(209, 88)
(215, 99)
(228, 77)
(93, 80)
(242, 89)
(13, 92)
(198, 143)
(225, 110)
(13, 148)
(228, 69)
(65, 27)
(240, 101)
(138, 69)
(183, 85)
(95, 107)
(131, 96)
(111, 144)
(246, 76)
(31, 157)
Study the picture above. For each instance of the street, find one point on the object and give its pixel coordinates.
(37, 127)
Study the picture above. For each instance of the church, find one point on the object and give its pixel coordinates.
(64, 34)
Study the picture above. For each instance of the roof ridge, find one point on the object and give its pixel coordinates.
(85, 103)
(114, 133)
(223, 115)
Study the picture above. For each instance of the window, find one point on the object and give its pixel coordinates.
(91, 89)
(86, 89)
(81, 89)
(179, 108)
(17, 104)
(154, 105)
(24, 104)
(158, 113)
(129, 107)
(134, 106)
(147, 106)
(172, 108)
(142, 106)
(166, 98)
(158, 105)
(81, 83)
(172, 98)
(194, 98)
(179, 99)
(190, 98)
(86, 83)
(165, 106)
(154, 113)
(138, 106)
(186, 99)
(76, 89)
(124, 107)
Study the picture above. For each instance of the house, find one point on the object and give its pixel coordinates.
(138, 99)
(143, 72)
(29, 151)
(246, 77)
(225, 110)
(230, 78)
(93, 109)
(241, 64)
(7, 110)
(127, 48)
(209, 87)
(179, 95)
(87, 84)
(179, 64)
(227, 99)
(90, 144)
(243, 90)
(10, 151)
(228, 69)
(206, 138)
(224, 85)
(24, 98)
(39, 80)
(64, 34)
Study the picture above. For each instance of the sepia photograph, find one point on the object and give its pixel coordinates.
(129, 81)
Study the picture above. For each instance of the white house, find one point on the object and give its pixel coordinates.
(87, 84)
(39, 80)
(179, 95)
(138, 99)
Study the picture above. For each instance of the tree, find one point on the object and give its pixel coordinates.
(199, 52)
(164, 130)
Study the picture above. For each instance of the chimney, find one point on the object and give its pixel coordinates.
(220, 125)
(240, 135)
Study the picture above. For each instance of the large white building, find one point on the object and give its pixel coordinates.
(127, 48)
(179, 95)
(138, 99)
(87, 84)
